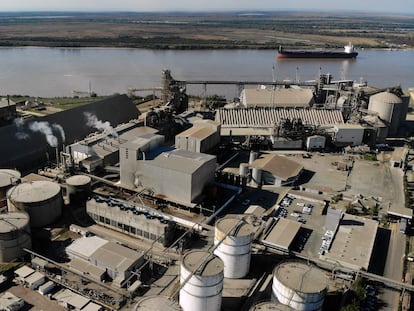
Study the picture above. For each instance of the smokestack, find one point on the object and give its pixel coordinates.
(57, 157)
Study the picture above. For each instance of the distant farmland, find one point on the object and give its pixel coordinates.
(265, 30)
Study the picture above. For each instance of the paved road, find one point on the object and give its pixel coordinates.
(394, 267)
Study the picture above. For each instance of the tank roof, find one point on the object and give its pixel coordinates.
(194, 260)
(31, 192)
(387, 97)
(270, 306)
(8, 176)
(78, 180)
(155, 303)
(301, 277)
(12, 221)
(229, 222)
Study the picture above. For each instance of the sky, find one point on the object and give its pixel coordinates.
(385, 6)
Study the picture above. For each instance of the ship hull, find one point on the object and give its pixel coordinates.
(316, 54)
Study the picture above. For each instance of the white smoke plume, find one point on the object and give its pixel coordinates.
(44, 128)
(60, 129)
(20, 134)
(92, 121)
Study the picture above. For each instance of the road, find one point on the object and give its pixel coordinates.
(393, 267)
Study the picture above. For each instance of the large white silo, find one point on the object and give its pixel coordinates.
(235, 235)
(8, 178)
(201, 278)
(389, 108)
(300, 286)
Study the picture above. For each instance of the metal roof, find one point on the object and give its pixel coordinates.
(13, 221)
(7, 177)
(84, 247)
(24, 271)
(282, 234)
(68, 297)
(202, 262)
(279, 166)
(198, 132)
(280, 97)
(270, 116)
(78, 180)
(386, 97)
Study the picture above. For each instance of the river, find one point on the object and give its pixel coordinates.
(50, 72)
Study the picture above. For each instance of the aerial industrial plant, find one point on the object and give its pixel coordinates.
(284, 199)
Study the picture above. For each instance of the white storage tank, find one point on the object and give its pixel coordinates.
(78, 188)
(201, 278)
(14, 235)
(253, 156)
(235, 250)
(300, 286)
(390, 109)
(256, 176)
(157, 303)
(270, 306)
(42, 200)
(244, 169)
(8, 178)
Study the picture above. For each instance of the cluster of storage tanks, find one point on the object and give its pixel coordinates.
(29, 205)
(296, 285)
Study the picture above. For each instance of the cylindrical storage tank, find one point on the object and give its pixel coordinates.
(270, 306)
(244, 169)
(42, 200)
(300, 286)
(8, 178)
(14, 235)
(157, 303)
(253, 156)
(257, 176)
(201, 279)
(78, 188)
(389, 108)
(235, 249)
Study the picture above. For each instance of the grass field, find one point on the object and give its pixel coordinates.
(205, 30)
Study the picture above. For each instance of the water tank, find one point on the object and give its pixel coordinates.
(78, 188)
(253, 156)
(42, 200)
(14, 235)
(389, 108)
(300, 286)
(244, 169)
(235, 250)
(270, 306)
(256, 176)
(157, 303)
(8, 178)
(201, 279)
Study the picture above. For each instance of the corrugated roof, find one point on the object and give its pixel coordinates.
(269, 116)
(279, 166)
(278, 97)
(198, 132)
(84, 247)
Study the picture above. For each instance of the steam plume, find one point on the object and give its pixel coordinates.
(60, 129)
(93, 121)
(45, 129)
(20, 134)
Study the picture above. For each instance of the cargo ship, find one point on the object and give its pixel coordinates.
(348, 52)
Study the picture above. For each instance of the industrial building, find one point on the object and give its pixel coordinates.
(42, 200)
(282, 234)
(9, 302)
(348, 134)
(14, 235)
(272, 169)
(353, 242)
(160, 172)
(131, 221)
(31, 148)
(277, 97)
(202, 137)
(102, 149)
(114, 260)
